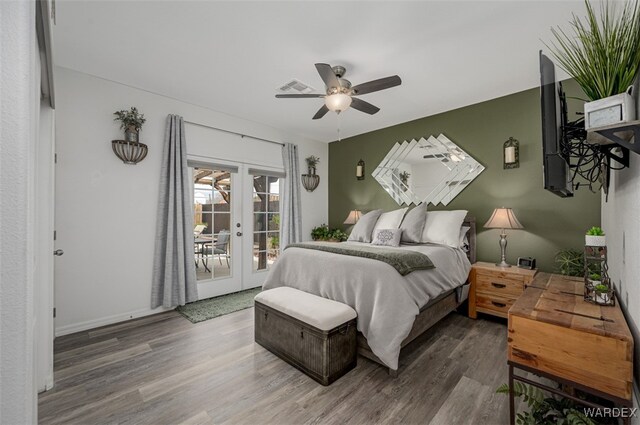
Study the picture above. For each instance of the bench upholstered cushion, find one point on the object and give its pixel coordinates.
(321, 313)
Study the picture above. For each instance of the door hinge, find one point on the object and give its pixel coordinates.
(55, 235)
(55, 158)
(54, 312)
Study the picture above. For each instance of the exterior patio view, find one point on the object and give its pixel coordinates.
(214, 221)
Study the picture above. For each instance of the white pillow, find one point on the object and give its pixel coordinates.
(386, 237)
(390, 220)
(443, 227)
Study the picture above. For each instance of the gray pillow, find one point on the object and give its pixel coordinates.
(364, 227)
(413, 224)
(386, 237)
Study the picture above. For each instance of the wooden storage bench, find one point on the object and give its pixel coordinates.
(313, 334)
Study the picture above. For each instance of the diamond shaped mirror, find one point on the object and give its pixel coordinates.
(434, 171)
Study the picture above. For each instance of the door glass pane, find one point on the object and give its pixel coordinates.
(212, 218)
(266, 223)
(259, 222)
(274, 222)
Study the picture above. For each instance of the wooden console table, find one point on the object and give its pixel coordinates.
(555, 333)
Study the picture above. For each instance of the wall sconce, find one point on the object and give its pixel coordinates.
(511, 153)
(360, 170)
(310, 181)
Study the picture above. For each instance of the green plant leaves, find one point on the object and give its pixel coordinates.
(544, 410)
(603, 53)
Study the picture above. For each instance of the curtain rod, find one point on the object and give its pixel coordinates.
(233, 132)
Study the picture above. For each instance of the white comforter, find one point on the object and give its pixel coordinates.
(386, 302)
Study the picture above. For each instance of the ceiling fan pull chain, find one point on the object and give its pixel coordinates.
(339, 122)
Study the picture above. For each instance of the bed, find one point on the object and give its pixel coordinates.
(392, 309)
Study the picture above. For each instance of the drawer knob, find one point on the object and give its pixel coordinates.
(497, 304)
(498, 285)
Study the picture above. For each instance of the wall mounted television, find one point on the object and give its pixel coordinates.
(557, 173)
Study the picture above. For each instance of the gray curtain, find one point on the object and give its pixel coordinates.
(291, 221)
(174, 274)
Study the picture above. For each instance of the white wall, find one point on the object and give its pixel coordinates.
(106, 211)
(621, 223)
(19, 108)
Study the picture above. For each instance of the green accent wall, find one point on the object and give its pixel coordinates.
(551, 223)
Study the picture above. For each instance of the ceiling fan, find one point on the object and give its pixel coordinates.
(340, 94)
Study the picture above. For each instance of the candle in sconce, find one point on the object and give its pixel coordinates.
(510, 154)
(359, 171)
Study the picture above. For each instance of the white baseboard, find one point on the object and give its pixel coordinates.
(109, 320)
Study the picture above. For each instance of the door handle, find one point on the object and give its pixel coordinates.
(239, 234)
(58, 252)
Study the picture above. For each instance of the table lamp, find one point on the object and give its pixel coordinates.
(503, 218)
(353, 217)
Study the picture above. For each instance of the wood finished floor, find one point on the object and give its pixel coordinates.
(165, 370)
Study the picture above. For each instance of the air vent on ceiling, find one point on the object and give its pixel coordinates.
(295, 86)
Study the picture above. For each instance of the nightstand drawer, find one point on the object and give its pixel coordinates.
(493, 304)
(501, 286)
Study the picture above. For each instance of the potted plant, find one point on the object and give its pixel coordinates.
(603, 295)
(570, 262)
(603, 55)
(595, 237)
(320, 233)
(323, 233)
(131, 122)
(337, 235)
(595, 279)
(312, 161)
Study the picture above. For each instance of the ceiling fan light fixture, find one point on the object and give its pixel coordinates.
(337, 102)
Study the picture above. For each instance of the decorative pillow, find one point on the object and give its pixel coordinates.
(390, 220)
(464, 238)
(443, 227)
(413, 224)
(387, 237)
(364, 227)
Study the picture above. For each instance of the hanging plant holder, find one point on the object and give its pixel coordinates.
(310, 181)
(129, 152)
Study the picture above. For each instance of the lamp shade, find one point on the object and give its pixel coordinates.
(337, 102)
(353, 217)
(503, 218)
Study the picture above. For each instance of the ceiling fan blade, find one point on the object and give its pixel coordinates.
(363, 106)
(321, 112)
(327, 75)
(377, 85)
(295, 96)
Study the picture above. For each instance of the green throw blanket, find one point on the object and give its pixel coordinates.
(404, 261)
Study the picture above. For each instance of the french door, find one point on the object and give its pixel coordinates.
(236, 211)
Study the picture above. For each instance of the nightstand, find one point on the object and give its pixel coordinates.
(494, 289)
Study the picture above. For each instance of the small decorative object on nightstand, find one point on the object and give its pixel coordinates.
(494, 289)
(503, 218)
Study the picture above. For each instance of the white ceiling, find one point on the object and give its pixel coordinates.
(231, 56)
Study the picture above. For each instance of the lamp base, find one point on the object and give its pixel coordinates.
(503, 264)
